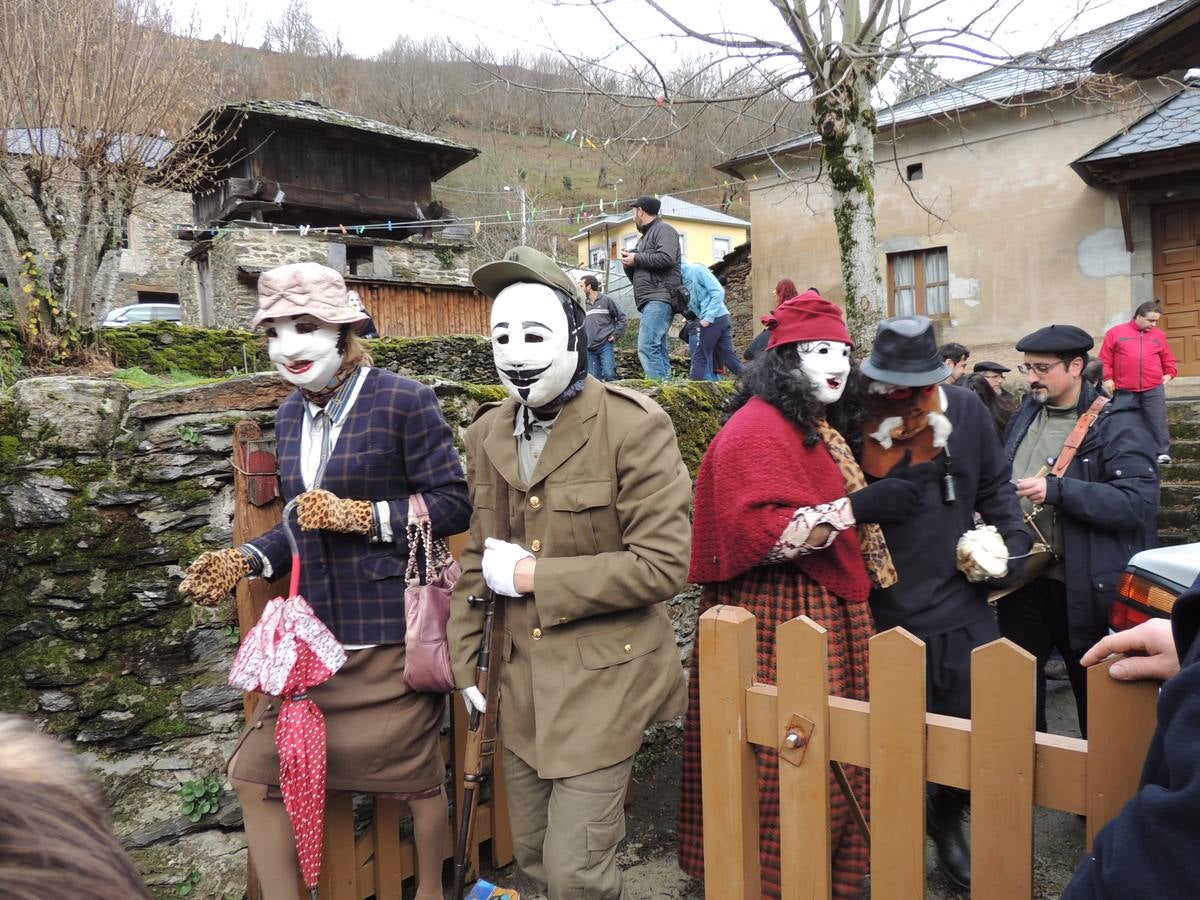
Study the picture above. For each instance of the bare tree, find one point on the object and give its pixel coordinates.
(827, 64)
(90, 93)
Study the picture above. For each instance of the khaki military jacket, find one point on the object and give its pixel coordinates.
(589, 658)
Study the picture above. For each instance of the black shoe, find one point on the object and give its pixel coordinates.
(945, 824)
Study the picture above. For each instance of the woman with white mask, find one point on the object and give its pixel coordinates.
(354, 442)
(784, 526)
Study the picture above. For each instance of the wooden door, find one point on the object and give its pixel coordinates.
(1176, 233)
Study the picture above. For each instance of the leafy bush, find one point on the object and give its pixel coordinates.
(201, 797)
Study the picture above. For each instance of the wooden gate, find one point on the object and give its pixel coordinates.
(376, 861)
(1007, 765)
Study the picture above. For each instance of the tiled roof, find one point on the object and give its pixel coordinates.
(1174, 124)
(1029, 73)
(672, 208)
(48, 141)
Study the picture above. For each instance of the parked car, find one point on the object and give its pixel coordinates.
(1150, 583)
(141, 313)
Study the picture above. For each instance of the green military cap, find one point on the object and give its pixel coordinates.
(523, 264)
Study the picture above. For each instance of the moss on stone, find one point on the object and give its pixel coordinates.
(160, 348)
(695, 410)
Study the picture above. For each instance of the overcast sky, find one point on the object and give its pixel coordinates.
(368, 27)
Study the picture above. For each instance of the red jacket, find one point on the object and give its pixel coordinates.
(1136, 360)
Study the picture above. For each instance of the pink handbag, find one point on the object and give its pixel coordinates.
(427, 606)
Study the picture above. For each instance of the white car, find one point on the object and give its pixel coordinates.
(1150, 583)
(141, 314)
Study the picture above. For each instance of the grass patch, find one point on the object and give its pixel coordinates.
(136, 378)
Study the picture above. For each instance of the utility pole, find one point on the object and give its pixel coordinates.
(524, 222)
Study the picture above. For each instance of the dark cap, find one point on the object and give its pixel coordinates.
(646, 203)
(1057, 339)
(988, 366)
(523, 264)
(906, 353)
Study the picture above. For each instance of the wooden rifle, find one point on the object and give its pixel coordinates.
(483, 731)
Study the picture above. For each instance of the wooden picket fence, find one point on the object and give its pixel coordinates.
(376, 861)
(997, 754)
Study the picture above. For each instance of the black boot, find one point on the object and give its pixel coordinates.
(945, 823)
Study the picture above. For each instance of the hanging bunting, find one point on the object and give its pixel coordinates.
(343, 228)
(590, 144)
(601, 204)
(274, 230)
(360, 229)
(477, 226)
(304, 230)
(389, 224)
(508, 212)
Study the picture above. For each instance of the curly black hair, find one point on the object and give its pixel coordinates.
(776, 377)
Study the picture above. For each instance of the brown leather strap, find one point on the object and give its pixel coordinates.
(1071, 446)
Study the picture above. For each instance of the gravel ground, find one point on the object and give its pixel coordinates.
(647, 855)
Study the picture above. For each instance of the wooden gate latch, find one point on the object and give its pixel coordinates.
(796, 739)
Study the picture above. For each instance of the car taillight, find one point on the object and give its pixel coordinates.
(1138, 600)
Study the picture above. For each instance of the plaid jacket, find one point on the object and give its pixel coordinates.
(393, 443)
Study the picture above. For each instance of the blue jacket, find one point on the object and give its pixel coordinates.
(1149, 849)
(708, 297)
(393, 443)
(1108, 499)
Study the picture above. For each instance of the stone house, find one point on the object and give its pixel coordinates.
(144, 269)
(294, 181)
(983, 219)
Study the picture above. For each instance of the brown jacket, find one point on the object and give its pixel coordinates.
(590, 658)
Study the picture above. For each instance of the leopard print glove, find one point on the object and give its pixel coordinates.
(211, 577)
(322, 510)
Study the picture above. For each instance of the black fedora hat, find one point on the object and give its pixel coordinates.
(906, 353)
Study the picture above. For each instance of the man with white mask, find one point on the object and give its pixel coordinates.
(354, 443)
(598, 539)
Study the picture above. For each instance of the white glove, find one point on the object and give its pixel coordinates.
(982, 554)
(499, 565)
(474, 700)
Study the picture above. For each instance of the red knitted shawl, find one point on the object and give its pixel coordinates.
(756, 474)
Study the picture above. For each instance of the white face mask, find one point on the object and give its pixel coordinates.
(529, 343)
(304, 350)
(826, 364)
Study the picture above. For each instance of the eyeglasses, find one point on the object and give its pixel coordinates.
(1040, 368)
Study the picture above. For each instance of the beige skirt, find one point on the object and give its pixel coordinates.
(382, 737)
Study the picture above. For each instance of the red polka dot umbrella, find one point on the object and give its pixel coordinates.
(287, 652)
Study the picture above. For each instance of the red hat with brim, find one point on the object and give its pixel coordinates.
(806, 317)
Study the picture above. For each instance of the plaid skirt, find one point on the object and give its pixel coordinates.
(775, 594)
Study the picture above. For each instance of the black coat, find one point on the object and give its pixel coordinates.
(655, 274)
(932, 596)
(1108, 499)
(1150, 848)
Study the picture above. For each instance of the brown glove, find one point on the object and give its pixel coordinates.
(211, 577)
(322, 510)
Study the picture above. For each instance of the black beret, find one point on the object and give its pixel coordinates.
(1057, 339)
(989, 366)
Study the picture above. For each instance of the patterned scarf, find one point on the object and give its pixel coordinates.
(323, 396)
(875, 552)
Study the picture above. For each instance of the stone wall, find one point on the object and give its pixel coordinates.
(734, 272)
(154, 255)
(241, 250)
(104, 496)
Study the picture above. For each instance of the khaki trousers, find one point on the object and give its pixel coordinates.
(566, 830)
